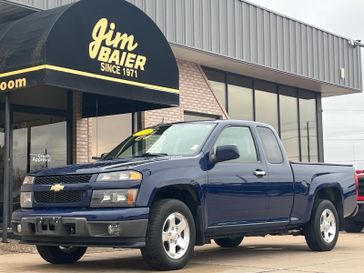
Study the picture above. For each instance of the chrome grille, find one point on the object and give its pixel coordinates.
(62, 179)
(49, 197)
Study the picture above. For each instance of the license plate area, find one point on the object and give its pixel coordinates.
(51, 226)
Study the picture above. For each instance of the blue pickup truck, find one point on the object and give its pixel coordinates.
(168, 188)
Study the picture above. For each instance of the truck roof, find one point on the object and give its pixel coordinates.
(219, 121)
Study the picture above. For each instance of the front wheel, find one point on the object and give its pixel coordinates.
(61, 255)
(170, 236)
(322, 231)
(229, 241)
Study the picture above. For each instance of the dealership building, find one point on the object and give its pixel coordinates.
(76, 78)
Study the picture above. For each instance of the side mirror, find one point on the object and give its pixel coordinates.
(224, 153)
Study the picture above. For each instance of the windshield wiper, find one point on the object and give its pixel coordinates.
(153, 154)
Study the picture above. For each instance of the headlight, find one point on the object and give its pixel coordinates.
(26, 201)
(119, 176)
(113, 198)
(28, 180)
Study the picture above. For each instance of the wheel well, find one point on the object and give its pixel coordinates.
(188, 195)
(334, 195)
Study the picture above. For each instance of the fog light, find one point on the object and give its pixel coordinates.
(18, 228)
(114, 229)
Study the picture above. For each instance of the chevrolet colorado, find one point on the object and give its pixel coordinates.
(168, 188)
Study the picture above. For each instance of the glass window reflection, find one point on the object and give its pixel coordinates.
(48, 146)
(289, 122)
(308, 125)
(1, 172)
(266, 104)
(290, 112)
(218, 86)
(109, 131)
(240, 97)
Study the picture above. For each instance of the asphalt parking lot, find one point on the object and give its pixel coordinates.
(270, 254)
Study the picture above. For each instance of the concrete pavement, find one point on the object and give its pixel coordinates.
(270, 254)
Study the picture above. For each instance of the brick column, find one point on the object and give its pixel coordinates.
(82, 132)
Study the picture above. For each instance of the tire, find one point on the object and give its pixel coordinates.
(162, 252)
(322, 232)
(60, 255)
(353, 227)
(229, 241)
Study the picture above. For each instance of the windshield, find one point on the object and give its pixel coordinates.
(183, 139)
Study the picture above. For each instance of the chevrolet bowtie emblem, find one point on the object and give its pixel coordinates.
(57, 188)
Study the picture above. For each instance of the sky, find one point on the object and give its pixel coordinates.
(343, 116)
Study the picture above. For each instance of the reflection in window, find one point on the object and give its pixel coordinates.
(2, 142)
(240, 97)
(266, 105)
(309, 149)
(243, 139)
(109, 131)
(289, 124)
(219, 91)
(270, 145)
(20, 152)
(48, 147)
(217, 82)
(244, 102)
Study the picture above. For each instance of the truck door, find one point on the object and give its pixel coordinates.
(279, 173)
(236, 193)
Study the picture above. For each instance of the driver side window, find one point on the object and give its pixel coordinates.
(243, 139)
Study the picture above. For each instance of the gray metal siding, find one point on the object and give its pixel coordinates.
(251, 34)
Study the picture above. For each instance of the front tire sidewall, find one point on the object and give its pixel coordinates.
(57, 255)
(154, 253)
(313, 234)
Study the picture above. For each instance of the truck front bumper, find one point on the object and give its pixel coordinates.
(97, 227)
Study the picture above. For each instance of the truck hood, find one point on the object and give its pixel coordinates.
(100, 166)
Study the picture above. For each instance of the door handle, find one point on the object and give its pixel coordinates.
(260, 173)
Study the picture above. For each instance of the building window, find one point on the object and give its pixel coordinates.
(308, 126)
(266, 104)
(218, 85)
(291, 112)
(109, 131)
(288, 109)
(240, 97)
(193, 116)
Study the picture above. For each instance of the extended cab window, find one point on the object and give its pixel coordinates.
(241, 137)
(270, 145)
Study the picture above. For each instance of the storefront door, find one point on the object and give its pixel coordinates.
(39, 141)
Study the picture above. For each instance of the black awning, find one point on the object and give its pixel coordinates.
(108, 48)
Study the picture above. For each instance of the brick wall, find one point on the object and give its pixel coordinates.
(195, 96)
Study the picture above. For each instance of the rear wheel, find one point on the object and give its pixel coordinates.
(229, 241)
(171, 235)
(322, 231)
(353, 227)
(61, 255)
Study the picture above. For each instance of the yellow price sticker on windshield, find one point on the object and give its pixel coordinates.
(145, 132)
